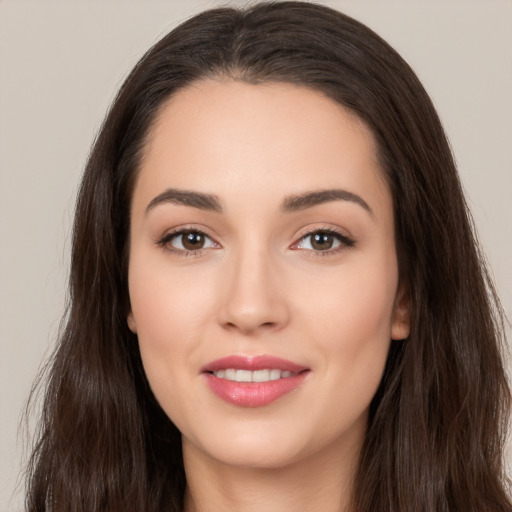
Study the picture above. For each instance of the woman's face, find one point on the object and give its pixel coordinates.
(263, 275)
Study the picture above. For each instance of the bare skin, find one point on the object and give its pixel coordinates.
(262, 226)
(213, 486)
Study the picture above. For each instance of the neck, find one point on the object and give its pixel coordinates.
(321, 482)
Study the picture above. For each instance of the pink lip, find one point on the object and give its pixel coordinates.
(252, 363)
(253, 394)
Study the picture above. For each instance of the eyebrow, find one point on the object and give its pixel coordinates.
(310, 199)
(290, 204)
(187, 198)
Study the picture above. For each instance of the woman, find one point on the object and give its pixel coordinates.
(276, 299)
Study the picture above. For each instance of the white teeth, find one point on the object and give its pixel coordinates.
(275, 374)
(230, 374)
(260, 375)
(256, 376)
(243, 376)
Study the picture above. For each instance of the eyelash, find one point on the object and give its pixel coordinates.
(164, 242)
(346, 242)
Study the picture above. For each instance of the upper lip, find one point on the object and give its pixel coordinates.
(252, 363)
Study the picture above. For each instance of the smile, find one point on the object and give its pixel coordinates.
(246, 381)
(253, 376)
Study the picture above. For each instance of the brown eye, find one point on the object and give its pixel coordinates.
(322, 241)
(188, 241)
(192, 240)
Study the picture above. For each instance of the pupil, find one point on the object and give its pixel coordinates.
(322, 241)
(193, 240)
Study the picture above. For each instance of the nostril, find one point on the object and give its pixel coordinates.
(247, 312)
(248, 327)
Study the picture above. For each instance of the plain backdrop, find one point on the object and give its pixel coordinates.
(60, 66)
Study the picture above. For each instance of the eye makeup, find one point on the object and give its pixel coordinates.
(192, 241)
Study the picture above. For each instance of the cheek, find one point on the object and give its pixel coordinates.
(354, 305)
(169, 311)
(351, 323)
(164, 301)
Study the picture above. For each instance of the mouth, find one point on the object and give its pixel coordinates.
(265, 375)
(253, 381)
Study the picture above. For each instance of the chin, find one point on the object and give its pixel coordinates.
(275, 444)
(251, 454)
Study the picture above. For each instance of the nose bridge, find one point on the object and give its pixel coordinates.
(253, 298)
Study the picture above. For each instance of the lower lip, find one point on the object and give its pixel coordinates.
(253, 394)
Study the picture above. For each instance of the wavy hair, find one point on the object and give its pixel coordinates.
(437, 424)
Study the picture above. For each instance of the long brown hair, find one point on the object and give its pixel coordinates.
(436, 429)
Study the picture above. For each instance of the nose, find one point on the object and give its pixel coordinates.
(254, 298)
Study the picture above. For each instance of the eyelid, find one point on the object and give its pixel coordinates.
(346, 240)
(169, 235)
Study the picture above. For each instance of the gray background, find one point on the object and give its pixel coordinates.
(60, 65)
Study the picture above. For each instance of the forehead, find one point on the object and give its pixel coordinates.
(226, 136)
